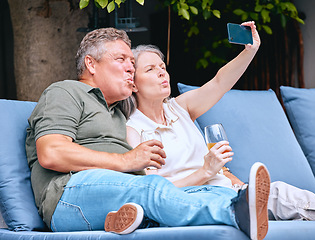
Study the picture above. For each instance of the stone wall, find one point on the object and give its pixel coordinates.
(45, 43)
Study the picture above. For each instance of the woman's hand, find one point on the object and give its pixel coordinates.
(200, 100)
(217, 157)
(256, 38)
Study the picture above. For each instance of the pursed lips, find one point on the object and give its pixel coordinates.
(130, 80)
(165, 83)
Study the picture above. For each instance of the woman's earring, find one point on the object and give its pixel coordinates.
(134, 88)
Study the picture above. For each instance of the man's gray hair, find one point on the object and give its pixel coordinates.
(93, 44)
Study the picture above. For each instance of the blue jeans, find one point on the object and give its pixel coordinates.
(90, 195)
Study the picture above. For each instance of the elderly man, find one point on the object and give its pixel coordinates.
(82, 168)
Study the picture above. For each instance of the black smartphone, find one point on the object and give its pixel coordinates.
(239, 34)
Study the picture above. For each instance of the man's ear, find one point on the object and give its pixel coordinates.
(90, 64)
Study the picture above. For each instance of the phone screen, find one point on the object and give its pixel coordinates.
(239, 34)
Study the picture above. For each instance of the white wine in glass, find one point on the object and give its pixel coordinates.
(214, 133)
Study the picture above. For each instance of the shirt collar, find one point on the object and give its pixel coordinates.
(169, 114)
(97, 93)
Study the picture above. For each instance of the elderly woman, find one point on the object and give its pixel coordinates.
(188, 161)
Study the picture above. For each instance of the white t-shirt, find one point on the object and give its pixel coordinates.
(183, 143)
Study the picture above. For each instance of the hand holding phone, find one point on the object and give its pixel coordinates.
(239, 34)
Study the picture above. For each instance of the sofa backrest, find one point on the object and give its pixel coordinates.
(258, 130)
(300, 107)
(17, 202)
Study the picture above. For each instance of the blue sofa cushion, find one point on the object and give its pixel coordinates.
(258, 130)
(17, 202)
(300, 107)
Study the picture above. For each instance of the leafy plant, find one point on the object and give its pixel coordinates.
(207, 16)
(110, 5)
(204, 18)
(189, 8)
(263, 11)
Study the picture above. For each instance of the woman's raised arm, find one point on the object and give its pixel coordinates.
(200, 100)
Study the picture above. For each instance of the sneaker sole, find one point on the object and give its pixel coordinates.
(125, 220)
(258, 194)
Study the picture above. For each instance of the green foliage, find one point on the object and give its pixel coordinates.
(265, 10)
(261, 11)
(110, 5)
(188, 8)
(203, 19)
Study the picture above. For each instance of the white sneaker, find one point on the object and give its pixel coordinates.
(250, 205)
(258, 195)
(125, 220)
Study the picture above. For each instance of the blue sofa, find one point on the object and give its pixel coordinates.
(258, 130)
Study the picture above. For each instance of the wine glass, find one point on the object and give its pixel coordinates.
(214, 133)
(147, 135)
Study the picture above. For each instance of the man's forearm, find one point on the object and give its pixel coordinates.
(58, 153)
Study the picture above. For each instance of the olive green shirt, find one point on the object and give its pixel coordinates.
(79, 111)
